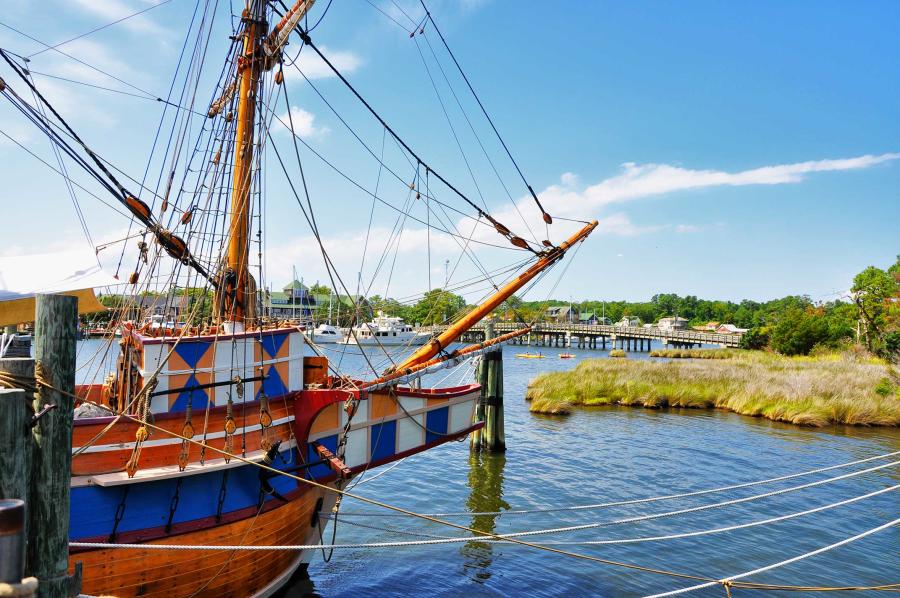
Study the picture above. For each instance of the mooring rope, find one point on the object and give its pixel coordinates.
(717, 530)
(632, 501)
(730, 580)
(499, 538)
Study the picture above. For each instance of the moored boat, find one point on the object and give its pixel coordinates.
(219, 425)
(387, 331)
(326, 334)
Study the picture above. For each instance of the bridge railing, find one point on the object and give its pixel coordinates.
(687, 336)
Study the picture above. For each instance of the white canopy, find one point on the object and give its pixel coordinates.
(74, 273)
(52, 273)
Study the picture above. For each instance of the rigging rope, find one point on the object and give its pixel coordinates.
(503, 230)
(547, 218)
(100, 28)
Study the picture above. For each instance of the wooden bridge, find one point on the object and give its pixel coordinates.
(596, 336)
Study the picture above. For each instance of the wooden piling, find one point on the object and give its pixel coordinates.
(492, 437)
(15, 442)
(56, 318)
(15, 445)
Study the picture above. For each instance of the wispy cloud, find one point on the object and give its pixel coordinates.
(639, 181)
(111, 10)
(315, 68)
(304, 123)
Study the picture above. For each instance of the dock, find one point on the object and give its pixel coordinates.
(598, 336)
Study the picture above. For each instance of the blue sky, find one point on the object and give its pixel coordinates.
(729, 151)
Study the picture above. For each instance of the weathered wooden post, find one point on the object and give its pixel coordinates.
(15, 441)
(12, 541)
(56, 318)
(490, 376)
(15, 462)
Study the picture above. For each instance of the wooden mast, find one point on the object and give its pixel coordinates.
(237, 304)
(439, 343)
(259, 53)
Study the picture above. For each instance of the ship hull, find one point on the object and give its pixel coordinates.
(170, 573)
(166, 490)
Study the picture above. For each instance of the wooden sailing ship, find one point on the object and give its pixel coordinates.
(193, 408)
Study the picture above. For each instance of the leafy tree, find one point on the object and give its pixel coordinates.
(320, 289)
(798, 331)
(436, 307)
(874, 292)
(755, 338)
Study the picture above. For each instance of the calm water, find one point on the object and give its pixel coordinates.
(609, 454)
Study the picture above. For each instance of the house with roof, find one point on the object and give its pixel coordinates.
(730, 329)
(629, 322)
(559, 314)
(588, 317)
(672, 323)
(293, 302)
(708, 327)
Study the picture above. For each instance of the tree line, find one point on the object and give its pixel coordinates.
(792, 325)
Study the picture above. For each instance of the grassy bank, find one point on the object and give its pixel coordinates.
(814, 391)
(694, 353)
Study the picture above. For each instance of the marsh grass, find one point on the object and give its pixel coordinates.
(694, 353)
(813, 391)
(617, 353)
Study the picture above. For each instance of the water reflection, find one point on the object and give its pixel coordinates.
(485, 481)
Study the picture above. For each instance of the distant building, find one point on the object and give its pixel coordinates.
(138, 307)
(730, 329)
(588, 317)
(708, 327)
(629, 322)
(560, 314)
(294, 302)
(672, 323)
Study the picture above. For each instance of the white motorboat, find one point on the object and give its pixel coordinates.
(327, 334)
(387, 331)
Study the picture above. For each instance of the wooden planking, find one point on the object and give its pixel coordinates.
(159, 456)
(125, 429)
(156, 456)
(178, 573)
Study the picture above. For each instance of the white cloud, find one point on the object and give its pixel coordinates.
(687, 228)
(315, 68)
(102, 56)
(111, 10)
(304, 123)
(644, 180)
(620, 224)
(638, 181)
(17, 130)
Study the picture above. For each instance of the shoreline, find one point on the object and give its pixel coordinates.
(819, 391)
